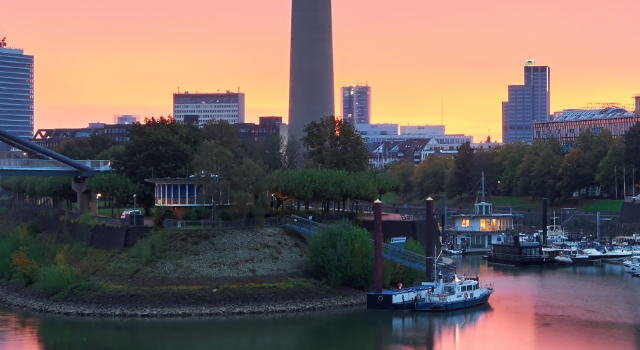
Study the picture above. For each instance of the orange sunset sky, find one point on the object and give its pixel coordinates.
(96, 59)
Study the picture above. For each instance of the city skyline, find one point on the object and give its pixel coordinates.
(89, 69)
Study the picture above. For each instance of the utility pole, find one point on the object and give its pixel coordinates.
(615, 176)
(624, 181)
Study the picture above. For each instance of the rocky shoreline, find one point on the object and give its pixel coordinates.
(27, 302)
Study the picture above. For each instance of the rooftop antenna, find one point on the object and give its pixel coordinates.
(178, 89)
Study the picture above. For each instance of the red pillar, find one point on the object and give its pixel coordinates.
(377, 246)
(430, 247)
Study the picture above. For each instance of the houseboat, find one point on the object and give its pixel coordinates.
(515, 252)
(476, 233)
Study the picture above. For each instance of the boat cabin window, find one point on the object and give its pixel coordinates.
(465, 223)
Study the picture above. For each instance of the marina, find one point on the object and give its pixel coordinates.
(594, 304)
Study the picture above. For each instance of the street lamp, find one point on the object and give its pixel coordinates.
(97, 203)
(134, 201)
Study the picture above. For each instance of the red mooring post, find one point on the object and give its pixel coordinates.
(430, 241)
(377, 246)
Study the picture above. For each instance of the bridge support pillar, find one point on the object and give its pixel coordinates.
(79, 184)
(377, 247)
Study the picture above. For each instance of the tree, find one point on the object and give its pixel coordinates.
(157, 149)
(460, 180)
(111, 153)
(508, 160)
(632, 146)
(614, 160)
(332, 143)
(430, 176)
(403, 171)
(293, 157)
(84, 148)
(586, 141)
(214, 167)
(573, 172)
(113, 187)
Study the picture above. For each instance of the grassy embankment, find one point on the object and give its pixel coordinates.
(165, 265)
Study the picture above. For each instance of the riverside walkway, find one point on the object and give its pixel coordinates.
(389, 252)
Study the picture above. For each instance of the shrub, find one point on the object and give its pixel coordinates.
(57, 278)
(341, 254)
(160, 215)
(148, 249)
(9, 243)
(200, 213)
(27, 269)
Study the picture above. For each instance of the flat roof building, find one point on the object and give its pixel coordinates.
(49, 138)
(16, 93)
(201, 108)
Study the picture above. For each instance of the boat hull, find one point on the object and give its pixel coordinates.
(516, 262)
(437, 306)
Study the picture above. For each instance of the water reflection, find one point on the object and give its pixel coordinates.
(587, 307)
(18, 332)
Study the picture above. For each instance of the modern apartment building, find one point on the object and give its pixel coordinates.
(527, 104)
(356, 104)
(16, 93)
(200, 108)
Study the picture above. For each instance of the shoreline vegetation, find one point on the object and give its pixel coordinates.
(180, 273)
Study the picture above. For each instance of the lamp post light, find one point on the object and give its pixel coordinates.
(134, 201)
(98, 203)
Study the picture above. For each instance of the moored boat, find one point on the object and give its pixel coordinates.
(632, 265)
(458, 294)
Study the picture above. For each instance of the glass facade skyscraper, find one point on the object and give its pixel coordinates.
(527, 104)
(16, 93)
(356, 104)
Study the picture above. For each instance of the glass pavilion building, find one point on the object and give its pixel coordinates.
(568, 126)
(16, 93)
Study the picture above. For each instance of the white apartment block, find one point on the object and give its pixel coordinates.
(201, 108)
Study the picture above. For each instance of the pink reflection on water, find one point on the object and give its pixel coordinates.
(19, 333)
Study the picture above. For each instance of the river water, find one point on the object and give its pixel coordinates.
(586, 307)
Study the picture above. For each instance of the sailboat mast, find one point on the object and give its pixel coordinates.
(483, 187)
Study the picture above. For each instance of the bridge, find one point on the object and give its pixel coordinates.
(50, 163)
(400, 256)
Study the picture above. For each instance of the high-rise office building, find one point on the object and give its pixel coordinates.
(16, 93)
(201, 108)
(527, 104)
(356, 104)
(311, 71)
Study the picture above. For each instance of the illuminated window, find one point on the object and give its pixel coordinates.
(465, 222)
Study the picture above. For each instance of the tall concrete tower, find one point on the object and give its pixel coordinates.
(311, 72)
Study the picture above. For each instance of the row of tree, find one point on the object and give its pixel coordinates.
(227, 169)
(540, 169)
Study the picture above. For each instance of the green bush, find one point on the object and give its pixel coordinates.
(9, 243)
(147, 249)
(341, 254)
(160, 215)
(57, 278)
(200, 213)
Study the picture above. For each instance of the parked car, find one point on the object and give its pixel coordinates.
(127, 212)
